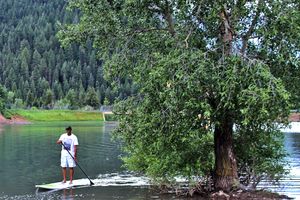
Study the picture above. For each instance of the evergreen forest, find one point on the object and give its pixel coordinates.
(37, 72)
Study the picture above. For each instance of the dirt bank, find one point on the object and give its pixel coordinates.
(14, 120)
(294, 117)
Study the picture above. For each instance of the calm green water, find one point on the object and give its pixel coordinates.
(30, 156)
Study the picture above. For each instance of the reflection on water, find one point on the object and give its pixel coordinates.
(291, 184)
(68, 194)
(29, 156)
(1, 129)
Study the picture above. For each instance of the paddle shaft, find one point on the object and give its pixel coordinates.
(77, 163)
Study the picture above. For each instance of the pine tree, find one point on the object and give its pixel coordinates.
(92, 98)
(71, 98)
(3, 99)
(81, 96)
(48, 99)
(29, 99)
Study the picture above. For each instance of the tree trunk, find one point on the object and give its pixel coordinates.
(225, 174)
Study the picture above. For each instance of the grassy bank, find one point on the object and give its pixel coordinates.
(58, 115)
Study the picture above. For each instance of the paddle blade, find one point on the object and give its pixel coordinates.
(91, 183)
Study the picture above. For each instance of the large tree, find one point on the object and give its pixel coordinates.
(205, 89)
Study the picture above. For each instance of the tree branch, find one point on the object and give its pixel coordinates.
(251, 29)
(165, 11)
(146, 30)
(154, 8)
(168, 17)
(187, 38)
(191, 29)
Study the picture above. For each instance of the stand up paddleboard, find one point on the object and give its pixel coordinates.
(67, 185)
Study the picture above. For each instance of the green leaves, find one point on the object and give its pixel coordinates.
(183, 97)
(261, 155)
(168, 136)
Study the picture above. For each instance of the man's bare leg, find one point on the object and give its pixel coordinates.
(64, 173)
(71, 174)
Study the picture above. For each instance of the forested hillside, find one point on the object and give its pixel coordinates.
(37, 71)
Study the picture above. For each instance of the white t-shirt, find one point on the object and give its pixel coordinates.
(69, 142)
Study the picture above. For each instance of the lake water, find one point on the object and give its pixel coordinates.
(291, 184)
(30, 156)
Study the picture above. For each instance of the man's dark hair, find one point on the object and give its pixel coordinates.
(68, 128)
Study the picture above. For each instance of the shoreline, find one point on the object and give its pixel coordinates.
(14, 120)
(22, 116)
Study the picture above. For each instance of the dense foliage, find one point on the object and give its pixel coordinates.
(176, 136)
(208, 100)
(37, 71)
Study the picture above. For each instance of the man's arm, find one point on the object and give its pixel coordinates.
(75, 152)
(59, 141)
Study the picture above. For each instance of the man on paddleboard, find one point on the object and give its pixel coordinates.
(69, 144)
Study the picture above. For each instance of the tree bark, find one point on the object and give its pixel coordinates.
(225, 174)
(226, 32)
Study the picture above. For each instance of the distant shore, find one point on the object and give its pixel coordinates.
(22, 116)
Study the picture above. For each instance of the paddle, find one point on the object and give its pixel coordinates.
(91, 183)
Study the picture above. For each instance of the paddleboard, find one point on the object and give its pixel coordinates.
(61, 185)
